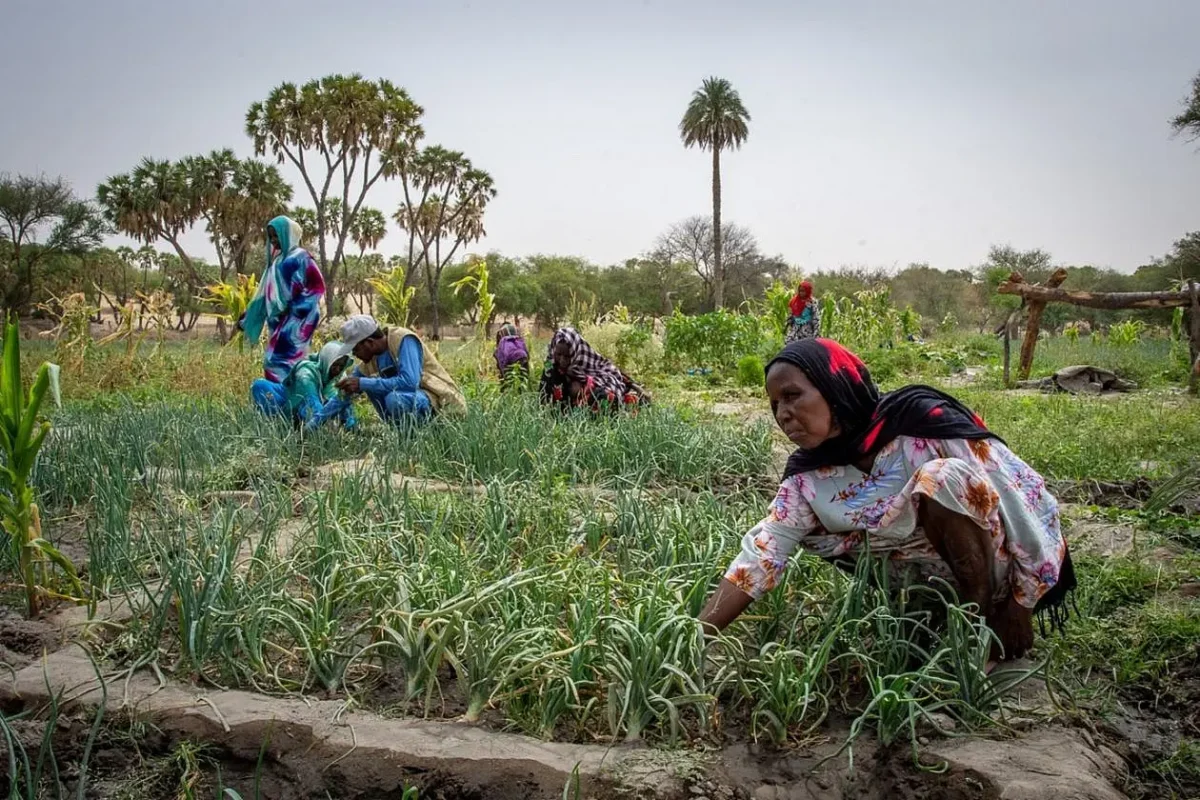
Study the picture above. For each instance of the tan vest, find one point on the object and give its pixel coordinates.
(435, 381)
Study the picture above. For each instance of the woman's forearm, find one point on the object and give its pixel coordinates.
(724, 606)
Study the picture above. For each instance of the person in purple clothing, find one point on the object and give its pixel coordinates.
(512, 356)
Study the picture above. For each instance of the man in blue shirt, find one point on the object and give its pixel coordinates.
(400, 379)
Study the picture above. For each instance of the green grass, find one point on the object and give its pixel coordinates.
(561, 600)
(1094, 438)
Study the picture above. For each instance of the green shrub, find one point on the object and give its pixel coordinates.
(717, 339)
(1127, 333)
(750, 371)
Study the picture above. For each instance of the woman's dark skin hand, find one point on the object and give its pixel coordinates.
(1013, 625)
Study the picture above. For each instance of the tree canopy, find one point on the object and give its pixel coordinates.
(40, 218)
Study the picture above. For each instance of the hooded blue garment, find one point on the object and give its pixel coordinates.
(287, 301)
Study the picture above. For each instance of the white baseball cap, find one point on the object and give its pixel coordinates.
(357, 328)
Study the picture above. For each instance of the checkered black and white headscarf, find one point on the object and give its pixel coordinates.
(587, 363)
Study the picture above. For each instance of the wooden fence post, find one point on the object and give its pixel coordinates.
(1033, 325)
(1194, 337)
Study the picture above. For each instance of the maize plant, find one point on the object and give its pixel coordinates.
(233, 298)
(394, 297)
(73, 333)
(865, 321)
(125, 315)
(476, 280)
(21, 436)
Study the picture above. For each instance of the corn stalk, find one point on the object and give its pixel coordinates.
(73, 332)
(476, 279)
(394, 297)
(21, 436)
(233, 298)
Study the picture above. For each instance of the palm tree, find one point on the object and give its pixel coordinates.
(367, 229)
(715, 120)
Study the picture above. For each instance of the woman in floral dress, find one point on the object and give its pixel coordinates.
(915, 475)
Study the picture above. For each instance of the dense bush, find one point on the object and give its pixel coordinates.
(717, 340)
(750, 371)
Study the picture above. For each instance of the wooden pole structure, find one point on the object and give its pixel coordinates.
(1111, 300)
(1036, 297)
(1033, 324)
(1194, 337)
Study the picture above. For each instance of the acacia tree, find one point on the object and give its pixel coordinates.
(445, 198)
(1188, 120)
(715, 120)
(695, 242)
(343, 133)
(32, 206)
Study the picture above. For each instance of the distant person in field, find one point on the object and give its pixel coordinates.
(401, 378)
(309, 393)
(512, 356)
(288, 303)
(804, 320)
(576, 376)
(916, 476)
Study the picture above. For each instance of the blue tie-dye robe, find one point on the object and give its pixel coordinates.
(288, 303)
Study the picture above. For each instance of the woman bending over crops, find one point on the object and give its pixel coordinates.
(512, 356)
(804, 320)
(309, 394)
(576, 376)
(912, 474)
(288, 303)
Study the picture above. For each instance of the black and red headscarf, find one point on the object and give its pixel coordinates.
(869, 420)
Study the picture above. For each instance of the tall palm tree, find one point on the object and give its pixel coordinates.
(715, 120)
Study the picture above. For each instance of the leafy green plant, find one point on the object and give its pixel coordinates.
(1126, 333)
(477, 281)
(232, 298)
(394, 298)
(750, 371)
(777, 307)
(717, 339)
(866, 321)
(21, 437)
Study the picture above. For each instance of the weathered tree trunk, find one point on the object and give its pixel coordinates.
(1007, 331)
(1194, 336)
(718, 265)
(1033, 325)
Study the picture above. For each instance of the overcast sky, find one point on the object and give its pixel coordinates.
(883, 131)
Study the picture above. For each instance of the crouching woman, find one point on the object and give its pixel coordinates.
(913, 475)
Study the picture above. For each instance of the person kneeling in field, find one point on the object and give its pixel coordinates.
(512, 356)
(308, 394)
(913, 475)
(576, 376)
(402, 379)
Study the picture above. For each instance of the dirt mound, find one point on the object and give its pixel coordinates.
(24, 640)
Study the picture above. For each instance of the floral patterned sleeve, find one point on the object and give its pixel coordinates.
(766, 547)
